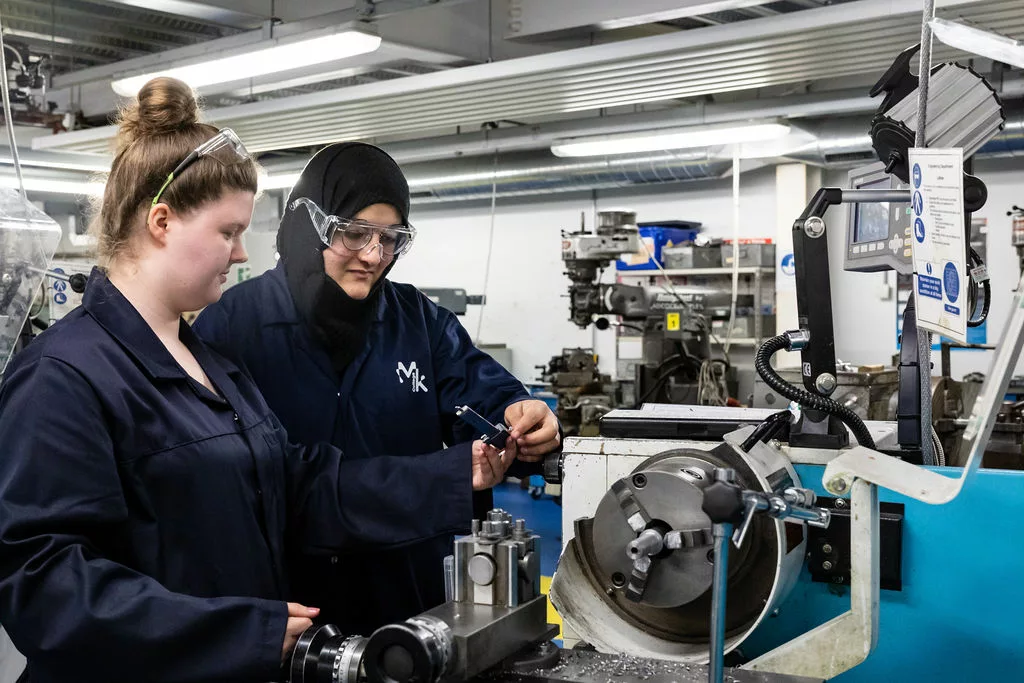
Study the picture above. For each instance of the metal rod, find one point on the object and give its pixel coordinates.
(722, 533)
(924, 338)
(871, 196)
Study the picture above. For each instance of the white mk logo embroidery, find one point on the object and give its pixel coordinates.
(411, 373)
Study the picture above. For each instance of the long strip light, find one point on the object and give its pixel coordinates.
(672, 138)
(83, 188)
(268, 60)
(54, 186)
(979, 41)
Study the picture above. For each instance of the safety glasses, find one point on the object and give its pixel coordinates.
(355, 235)
(225, 147)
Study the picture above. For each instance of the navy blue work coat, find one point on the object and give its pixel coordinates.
(143, 518)
(398, 396)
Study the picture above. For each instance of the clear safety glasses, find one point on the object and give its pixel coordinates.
(355, 235)
(225, 147)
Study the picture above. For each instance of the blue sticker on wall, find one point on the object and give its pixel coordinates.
(788, 265)
(918, 203)
(919, 230)
(917, 175)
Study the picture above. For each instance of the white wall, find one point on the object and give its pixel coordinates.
(527, 307)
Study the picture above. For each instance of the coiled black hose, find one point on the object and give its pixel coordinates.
(986, 286)
(763, 365)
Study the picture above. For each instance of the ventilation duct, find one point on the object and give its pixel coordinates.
(534, 175)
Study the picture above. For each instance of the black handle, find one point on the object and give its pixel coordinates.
(723, 502)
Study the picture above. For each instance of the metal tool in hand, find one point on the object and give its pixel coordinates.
(726, 504)
(491, 434)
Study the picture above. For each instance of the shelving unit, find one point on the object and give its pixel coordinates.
(759, 281)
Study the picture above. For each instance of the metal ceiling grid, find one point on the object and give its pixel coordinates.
(79, 33)
(829, 43)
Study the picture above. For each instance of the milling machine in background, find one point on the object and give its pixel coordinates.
(676, 352)
(584, 394)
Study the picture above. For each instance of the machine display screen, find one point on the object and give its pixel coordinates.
(871, 221)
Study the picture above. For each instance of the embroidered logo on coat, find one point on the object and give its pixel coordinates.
(411, 373)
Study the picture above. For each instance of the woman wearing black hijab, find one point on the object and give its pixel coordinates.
(344, 355)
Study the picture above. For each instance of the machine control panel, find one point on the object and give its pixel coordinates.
(878, 236)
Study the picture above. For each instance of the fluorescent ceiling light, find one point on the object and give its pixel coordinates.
(38, 36)
(979, 41)
(75, 187)
(672, 138)
(278, 57)
(282, 181)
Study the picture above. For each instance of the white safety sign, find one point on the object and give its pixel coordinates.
(939, 242)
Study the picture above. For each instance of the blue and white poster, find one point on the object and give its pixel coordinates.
(940, 267)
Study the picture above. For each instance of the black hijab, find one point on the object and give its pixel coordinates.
(342, 179)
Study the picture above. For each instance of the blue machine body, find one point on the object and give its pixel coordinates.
(958, 617)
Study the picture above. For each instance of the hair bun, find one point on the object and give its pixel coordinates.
(164, 105)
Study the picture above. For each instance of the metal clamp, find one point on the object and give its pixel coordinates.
(726, 504)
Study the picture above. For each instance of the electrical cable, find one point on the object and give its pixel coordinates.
(711, 388)
(8, 118)
(986, 290)
(735, 246)
(763, 366)
(940, 453)
(490, 247)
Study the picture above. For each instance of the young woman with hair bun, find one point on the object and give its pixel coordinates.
(147, 492)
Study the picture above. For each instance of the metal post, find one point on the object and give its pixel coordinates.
(722, 534)
(924, 338)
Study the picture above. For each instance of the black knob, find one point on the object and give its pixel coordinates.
(77, 282)
(602, 323)
(723, 502)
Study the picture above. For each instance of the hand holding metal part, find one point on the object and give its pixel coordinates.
(491, 434)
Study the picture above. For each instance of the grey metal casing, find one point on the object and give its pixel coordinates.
(892, 252)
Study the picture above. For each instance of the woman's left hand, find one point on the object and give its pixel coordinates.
(534, 428)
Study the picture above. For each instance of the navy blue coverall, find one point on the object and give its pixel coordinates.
(398, 396)
(143, 518)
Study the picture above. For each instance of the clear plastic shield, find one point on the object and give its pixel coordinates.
(28, 240)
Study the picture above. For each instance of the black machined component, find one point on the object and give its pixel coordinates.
(897, 82)
(767, 430)
(404, 653)
(491, 434)
(78, 282)
(908, 404)
(828, 550)
(807, 399)
(307, 663)
(891, 139)
(723, 502)
(814, 289)
(553, 467)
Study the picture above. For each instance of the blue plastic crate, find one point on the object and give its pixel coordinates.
(659, 236)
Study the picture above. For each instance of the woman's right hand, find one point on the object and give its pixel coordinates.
(300, 618)
(490, 465)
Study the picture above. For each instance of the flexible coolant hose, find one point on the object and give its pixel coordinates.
(763, 366)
